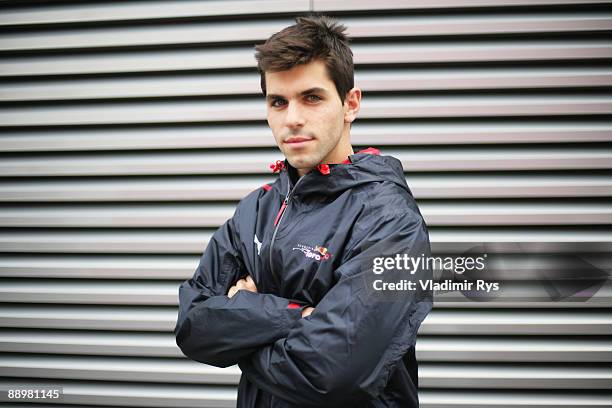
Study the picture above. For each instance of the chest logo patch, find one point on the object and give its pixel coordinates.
(319, 253)
(256, 241)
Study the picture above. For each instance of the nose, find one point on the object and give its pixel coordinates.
(294, 117)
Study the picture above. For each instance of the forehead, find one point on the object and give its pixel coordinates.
(299, 78)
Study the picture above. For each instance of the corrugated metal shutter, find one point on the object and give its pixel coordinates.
(131, 129)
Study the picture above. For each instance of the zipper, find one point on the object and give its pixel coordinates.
(279, 219)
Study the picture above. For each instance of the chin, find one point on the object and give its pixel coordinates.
(300, 162)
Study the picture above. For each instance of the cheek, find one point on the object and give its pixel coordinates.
(332, 116)
(273, 124)
(334, 119)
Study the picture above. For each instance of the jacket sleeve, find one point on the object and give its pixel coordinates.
(346, 350)
(214, 329)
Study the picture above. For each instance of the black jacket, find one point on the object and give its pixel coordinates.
(311, 241)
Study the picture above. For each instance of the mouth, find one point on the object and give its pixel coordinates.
(298, 141)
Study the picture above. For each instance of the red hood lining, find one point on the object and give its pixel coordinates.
(323, 168)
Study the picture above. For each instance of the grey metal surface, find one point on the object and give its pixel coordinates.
(129, 130)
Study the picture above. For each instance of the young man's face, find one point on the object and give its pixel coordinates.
(308, 120)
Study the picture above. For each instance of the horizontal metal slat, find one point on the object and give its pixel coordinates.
(516, 213)
(193, 242)
(480, 51)
(80, 13)
(492, 349)
(131, 394)
(535, 294)
(188, 33)
(428, 348)
(106, 343)
(358, 5)
(476, 79)
(140, 216)
(362, 133)
(150, 242)
(117, 369)
(226, 188)
(96, 292)
(501, 399)
(209, 189)
(86, 267)
(375, 107)
(449, 322)
(143, 61)
(489, 322)
(256, 162)
(154, 395)
(90, 317)
(150, 138)
(571, 239)
(427, 187)
(248, 83)
(125, 11)
(146, 35)
(459, 106)
(456, 25)
(144, 87)
(508, 376)
(213, 215)
(364, 54)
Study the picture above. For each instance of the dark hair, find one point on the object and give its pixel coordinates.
(310, 38)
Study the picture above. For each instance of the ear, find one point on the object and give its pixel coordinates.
(352, 103)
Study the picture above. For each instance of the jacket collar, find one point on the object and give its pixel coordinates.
(365, 166)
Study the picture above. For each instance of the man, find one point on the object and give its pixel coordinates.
(284, 288)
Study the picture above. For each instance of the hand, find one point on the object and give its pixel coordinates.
(246, 284)
(307, 311)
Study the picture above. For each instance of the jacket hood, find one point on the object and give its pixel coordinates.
(365, 166)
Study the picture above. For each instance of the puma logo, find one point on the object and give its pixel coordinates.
(256, 241)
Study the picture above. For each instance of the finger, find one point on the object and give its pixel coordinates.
(307, 311)
(250, 284)
(232, 291)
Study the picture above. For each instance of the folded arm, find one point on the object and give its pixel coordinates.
(215, 329)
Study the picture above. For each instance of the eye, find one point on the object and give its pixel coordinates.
(278, 102)
(313, 98)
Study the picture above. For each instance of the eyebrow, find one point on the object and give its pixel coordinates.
(309, 91)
